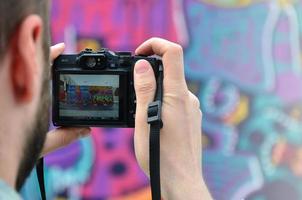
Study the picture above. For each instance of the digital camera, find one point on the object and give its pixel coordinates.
(96, 88)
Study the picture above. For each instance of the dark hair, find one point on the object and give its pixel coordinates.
(12, 12)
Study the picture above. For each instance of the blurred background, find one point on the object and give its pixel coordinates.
(243, 61)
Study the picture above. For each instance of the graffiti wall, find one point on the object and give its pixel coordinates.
(243, 61)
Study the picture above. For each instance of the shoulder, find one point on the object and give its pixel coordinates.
(6, 192)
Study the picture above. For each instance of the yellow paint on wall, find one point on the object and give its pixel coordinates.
(232, 4)
(240, 113)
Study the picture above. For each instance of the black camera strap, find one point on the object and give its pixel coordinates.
(154, 119)
(40, 174)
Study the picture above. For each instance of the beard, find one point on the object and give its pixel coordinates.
(36, 131)
(37, 135)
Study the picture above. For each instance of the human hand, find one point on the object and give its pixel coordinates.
(61, 137)
(180, 137)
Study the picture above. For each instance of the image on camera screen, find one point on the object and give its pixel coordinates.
(89, 97)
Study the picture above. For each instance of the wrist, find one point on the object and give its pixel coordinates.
(182, 187)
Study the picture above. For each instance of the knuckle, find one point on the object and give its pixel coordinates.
(65, 140)
(194, 100)
(185, 98)
(145, 88)
(200, 114)
(176, 48)
(154, 38)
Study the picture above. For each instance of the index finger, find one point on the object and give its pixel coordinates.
(62, 137)
(56, 50)
(172, 56)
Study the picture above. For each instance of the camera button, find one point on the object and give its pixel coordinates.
(124, 53)
(113, 65)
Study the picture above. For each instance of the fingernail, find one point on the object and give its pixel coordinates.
(141, 67)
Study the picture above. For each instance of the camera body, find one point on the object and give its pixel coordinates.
(96, 88)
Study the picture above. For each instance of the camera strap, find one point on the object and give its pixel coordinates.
(40, 174)
(154, 119)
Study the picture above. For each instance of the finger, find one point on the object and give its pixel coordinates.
(172, 55)
(145, 87)
(194, 100)
(154, 45)
(144, 83)
(62, 137)
(56, 50)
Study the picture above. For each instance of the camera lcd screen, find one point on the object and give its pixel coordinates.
(89, 97)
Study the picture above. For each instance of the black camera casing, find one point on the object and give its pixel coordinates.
(103, 62)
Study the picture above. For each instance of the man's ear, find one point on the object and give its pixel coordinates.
(25, 49)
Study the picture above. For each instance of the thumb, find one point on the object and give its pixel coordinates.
(145, 87)
(144, 84)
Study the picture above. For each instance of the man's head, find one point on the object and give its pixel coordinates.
(24, 78)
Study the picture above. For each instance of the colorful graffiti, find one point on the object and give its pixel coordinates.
(243, 61)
